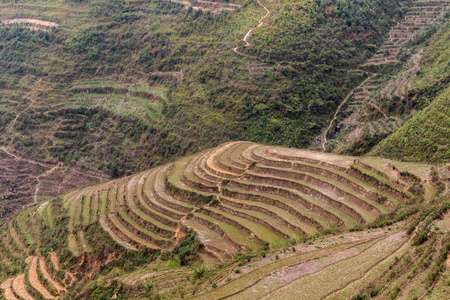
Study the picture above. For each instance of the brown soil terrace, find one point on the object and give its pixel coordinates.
(239, 196)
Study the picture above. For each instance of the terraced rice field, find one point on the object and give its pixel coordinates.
(367, 99)
(237, 197)
(311, 274)
(421, 14)
(38, 282)
(138, 101)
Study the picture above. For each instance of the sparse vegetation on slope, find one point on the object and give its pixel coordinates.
(425, 137)
(391, 94)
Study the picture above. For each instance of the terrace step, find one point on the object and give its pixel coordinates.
(329, 197)
(236, 156)
(276, 207)
(126, 235)
(179, 189)
(189, 178)
(33, 278)
(224, 160)
(202, 171)
(250, 228)
(166, 199)
(342, 176)
(43, 268)
(229, 232)
(325, 183)
(212, 166)
(137, 230)
(118, 238)
(147, 197)
(213, 242)
(8, 292)
(19, 288)
(274, 225)
(305, 203)
(202, 175)
(144, 214)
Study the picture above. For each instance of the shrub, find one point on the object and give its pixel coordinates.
(188, 248)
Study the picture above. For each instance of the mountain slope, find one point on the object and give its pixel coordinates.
(211, 209)
(426, 136)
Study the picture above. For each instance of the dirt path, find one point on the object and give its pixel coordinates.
(31, 95)
(38, 178)
(250, 32)
(31, 21)
(378, 108)
(177, 75)
(324, 135)
(223, 3)
(25, 159)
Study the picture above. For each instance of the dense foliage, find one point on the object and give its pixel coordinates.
(187, 249)
(305, 51)
(281, 92)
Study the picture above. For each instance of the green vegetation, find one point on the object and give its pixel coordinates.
(156, 232)
(290, 99)
(426, 136)
(124, 86)
(186, 250)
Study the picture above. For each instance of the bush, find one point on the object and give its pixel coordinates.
(188, 248)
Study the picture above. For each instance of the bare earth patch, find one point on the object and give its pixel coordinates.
(34, 280)
(49, 278)
(30, 21)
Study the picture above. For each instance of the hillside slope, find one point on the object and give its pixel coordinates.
(214, 210)
(392, 92)
(426, 136)
(119, 87)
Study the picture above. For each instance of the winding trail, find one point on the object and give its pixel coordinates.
(38, 177)
(250, 32)
(378, 108)
(324, 135)
(25, 159)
